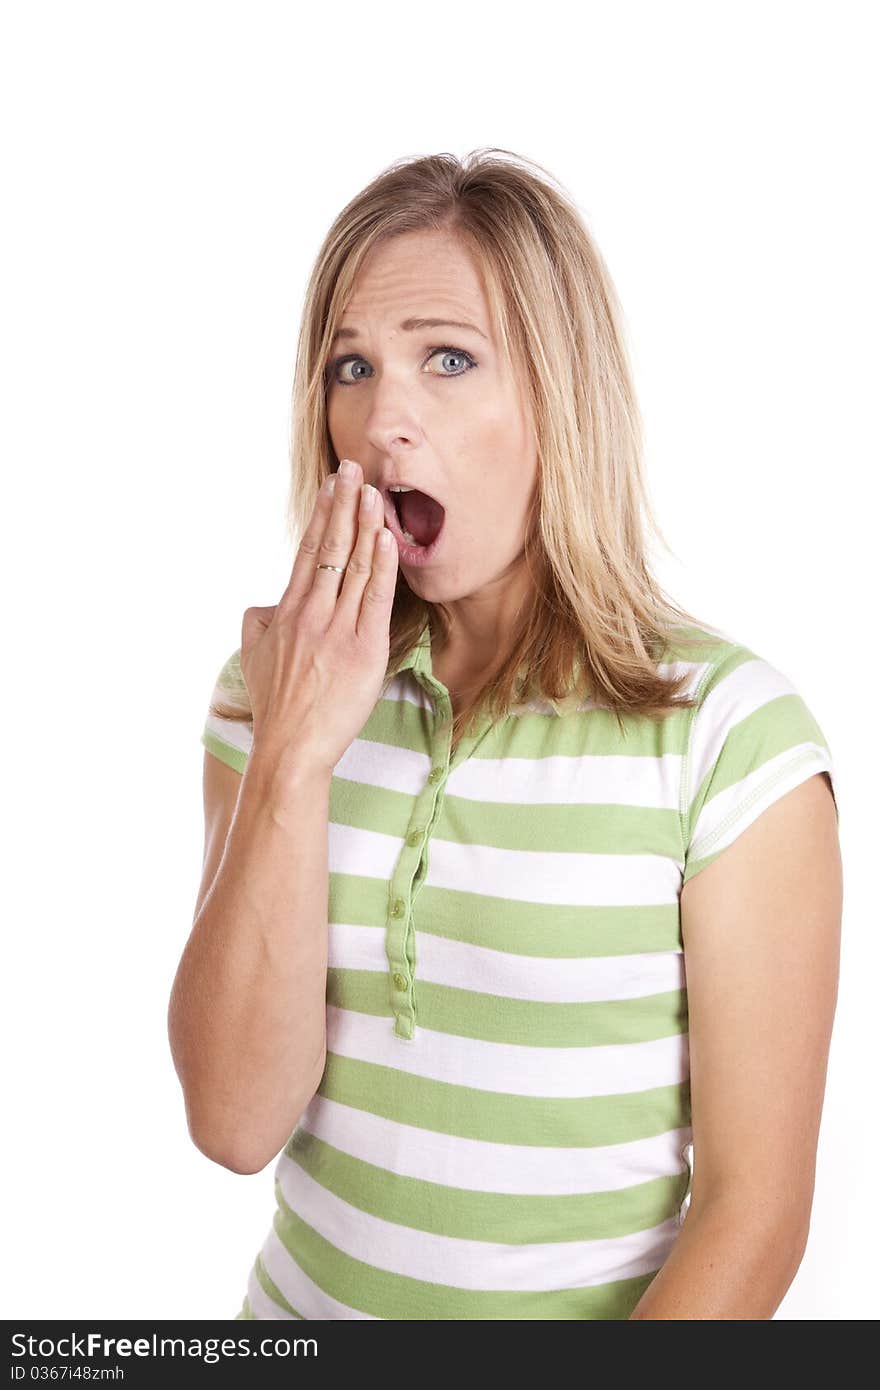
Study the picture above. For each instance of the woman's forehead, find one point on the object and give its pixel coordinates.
(433, 275)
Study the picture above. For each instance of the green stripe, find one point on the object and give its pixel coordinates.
(727, 659)
(554, 827)
(510, 1218)
(381, 1294)
(233, 757)
(400, 723)
(447, 1108)
(550, 931)
(272, 1289)
(560, 829)
(519, 1022)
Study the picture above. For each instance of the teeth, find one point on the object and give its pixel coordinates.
(401, 489)
(407, 537)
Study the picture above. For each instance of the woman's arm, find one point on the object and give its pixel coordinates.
(246, 1018)
(761, 936)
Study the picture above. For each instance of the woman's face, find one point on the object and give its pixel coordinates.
(452, 423)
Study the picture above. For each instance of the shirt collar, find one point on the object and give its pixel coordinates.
(418, 658)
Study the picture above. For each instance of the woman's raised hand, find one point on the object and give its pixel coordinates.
(314, 664)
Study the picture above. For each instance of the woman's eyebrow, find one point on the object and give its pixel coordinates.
(409, 324)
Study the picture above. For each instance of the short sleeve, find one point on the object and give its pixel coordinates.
(752, 739)
(228, 731)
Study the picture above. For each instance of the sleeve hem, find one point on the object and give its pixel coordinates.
(808, 761)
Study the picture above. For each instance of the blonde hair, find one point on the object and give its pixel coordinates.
(597, 621)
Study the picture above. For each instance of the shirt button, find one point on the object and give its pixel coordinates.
(399, 981)
(435, 774)
(399, 908)
(414, 837)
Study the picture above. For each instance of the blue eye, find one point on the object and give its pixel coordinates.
(338, 362)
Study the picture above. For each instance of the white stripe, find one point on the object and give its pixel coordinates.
(384, 765)
(236, 732)
(477, 1165)
(300, 1291)
(470, 1264)
(262, 1306)
(589, 779)
(405, 689)
(536, 876)
(551, 877)
(508, 1068)
(544, 979)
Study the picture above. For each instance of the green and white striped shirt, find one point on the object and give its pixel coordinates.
(502, 1129)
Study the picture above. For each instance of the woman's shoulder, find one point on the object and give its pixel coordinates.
(718, 659)
(752, 737)
(702, 649)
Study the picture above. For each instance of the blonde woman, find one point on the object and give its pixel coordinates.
(517, 939)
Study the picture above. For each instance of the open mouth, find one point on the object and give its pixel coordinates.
(419, 517)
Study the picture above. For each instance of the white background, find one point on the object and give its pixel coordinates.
(168, 172)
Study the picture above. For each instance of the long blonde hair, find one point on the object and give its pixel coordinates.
(599, 621)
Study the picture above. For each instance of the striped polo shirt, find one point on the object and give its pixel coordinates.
(503, 1125)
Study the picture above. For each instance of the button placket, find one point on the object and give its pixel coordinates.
(410, 871)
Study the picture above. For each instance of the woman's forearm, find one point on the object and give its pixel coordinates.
(247, 1012)
(731, 1260)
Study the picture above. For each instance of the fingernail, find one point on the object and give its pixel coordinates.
(347, 468)
(368, 497)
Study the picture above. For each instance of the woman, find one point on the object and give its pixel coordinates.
(519, 920)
